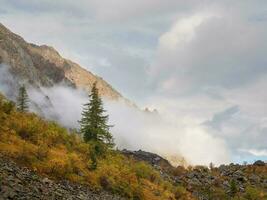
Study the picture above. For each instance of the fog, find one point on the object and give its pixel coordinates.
(7, 82)
(175, 138)
(136, 129)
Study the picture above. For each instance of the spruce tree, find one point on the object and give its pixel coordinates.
(93, 125)
(23, 99)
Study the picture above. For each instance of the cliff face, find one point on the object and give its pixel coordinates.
(43, 66)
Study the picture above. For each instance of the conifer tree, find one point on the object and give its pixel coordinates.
(93, 125)
(23, 99)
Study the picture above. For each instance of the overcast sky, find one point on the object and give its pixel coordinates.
(201, 62)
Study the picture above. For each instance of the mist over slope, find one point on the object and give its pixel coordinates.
(135, 129)
(178, 140)
(56, 88)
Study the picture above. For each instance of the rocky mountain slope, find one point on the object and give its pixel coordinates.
(43, 65)
(21, 183)
(244, 182)
(234, 181)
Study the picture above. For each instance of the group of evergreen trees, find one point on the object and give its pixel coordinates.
(93, 124)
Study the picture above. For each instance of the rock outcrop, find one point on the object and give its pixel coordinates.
(43, 66)
(151, 158)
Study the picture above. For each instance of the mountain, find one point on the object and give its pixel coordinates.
(43, 66)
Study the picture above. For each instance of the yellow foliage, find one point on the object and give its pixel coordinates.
(52, 151)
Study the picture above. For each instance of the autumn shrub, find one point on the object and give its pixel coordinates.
(42, 152)
(26, 153)
(138, 193)
(8, 107)
(116, 177)
(5, 105)
(27, 126)
(180, 193)
(142, 170)
(51, 150)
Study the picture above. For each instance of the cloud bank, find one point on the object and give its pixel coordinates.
(135, 129)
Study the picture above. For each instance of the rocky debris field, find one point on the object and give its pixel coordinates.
(21, 183)
(202, 181)
(230, 179)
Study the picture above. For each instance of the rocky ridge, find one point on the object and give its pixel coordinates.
(43, 66)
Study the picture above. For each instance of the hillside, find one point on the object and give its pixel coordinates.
(43, 65)
(58, 163)
(52, 151)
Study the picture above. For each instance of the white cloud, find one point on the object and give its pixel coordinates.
(204, 50)
(255, 152)
(6, 81)
(183, 31)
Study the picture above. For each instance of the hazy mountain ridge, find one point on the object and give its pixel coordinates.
(43, 65)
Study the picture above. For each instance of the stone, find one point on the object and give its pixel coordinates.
(47, 181)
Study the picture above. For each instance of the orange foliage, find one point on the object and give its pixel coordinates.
(52, 151)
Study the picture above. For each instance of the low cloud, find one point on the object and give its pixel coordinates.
(169, 137)
(59, 103)
(135, 129)
(182, 129)
(8, 82)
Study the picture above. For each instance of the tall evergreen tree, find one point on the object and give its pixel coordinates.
(23, 99)
(93, 125)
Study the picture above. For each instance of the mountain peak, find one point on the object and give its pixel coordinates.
(44, 66)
